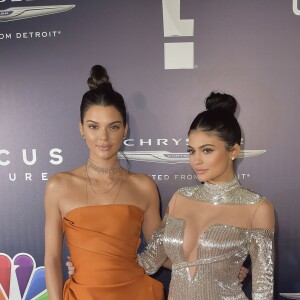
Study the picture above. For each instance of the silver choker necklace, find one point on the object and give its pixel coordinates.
(98, 170)
(229, 192)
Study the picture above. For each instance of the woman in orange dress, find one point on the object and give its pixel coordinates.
(101, 208)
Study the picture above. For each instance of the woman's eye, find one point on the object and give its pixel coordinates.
(115, 127)
(207, 150)
(93, 126)
(190, 151)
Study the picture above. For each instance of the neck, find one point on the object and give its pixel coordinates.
(219, 193)
(107, 169)
(232, 177)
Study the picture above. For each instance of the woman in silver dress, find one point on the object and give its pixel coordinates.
(209, 229)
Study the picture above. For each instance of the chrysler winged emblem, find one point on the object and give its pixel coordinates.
(167, 157)
(18, 13)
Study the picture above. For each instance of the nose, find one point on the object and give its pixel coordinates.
(197, 159)
(103, 134)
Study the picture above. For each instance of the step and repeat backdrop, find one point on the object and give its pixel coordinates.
(164, 57)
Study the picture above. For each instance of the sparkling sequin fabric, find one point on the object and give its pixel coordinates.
(219, 216)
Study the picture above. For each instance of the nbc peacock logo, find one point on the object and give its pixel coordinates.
(20, 279)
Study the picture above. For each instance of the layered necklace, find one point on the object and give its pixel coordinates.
(102, 171)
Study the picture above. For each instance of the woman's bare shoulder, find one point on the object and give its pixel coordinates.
(63, 179)
(142, 181)
(264, 216)
(65, 190)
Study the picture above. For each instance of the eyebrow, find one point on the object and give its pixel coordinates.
(94, 122)
(203, 146)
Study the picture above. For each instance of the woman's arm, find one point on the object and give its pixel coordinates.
(152, 217)
(154, 256)
(261, 248)
(152, 220)
(53, 242)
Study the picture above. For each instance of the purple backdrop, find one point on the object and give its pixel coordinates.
(165, 57)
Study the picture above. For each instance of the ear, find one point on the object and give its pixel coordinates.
(235, 151)
(126, 130)
(81, 129)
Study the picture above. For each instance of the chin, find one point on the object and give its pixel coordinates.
(203, 178)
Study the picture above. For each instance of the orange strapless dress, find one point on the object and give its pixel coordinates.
(103, 242)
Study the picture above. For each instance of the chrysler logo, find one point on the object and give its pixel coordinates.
(18, 13)
(167, 157)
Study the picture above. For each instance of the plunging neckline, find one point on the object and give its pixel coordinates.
(199, 239)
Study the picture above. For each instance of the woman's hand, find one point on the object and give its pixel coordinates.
(71, 268)
(242, 275)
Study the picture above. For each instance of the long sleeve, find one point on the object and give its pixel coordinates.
(153, 256)
(261, 249)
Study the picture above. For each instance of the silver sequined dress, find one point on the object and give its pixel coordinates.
(206, 258)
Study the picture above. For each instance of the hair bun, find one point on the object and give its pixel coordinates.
(98, 78)
(220, 101)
